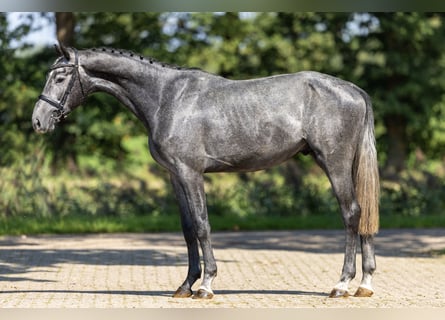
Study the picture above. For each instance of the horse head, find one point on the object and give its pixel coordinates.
(63, 91)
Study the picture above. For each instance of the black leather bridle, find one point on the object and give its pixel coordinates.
(61, 113)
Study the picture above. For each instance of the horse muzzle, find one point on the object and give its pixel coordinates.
(43, 119)
(40, 126)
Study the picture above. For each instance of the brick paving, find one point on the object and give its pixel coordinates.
(255, 270)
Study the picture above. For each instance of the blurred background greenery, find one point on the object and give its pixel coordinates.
(95, 174)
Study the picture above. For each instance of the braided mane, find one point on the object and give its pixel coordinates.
(140, 58)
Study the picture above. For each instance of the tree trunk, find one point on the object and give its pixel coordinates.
(65, 22)
(397, 145)
(64, 149)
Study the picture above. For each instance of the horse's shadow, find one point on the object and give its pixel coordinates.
(168, 294)
(18, 258)
(15, 263)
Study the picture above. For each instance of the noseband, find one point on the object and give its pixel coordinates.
(61, 113)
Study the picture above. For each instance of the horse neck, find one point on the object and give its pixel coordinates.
(135, 81)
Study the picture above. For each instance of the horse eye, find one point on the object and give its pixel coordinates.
(59, 79)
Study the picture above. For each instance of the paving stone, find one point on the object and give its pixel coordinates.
(285, 269)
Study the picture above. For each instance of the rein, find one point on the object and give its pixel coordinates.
(61, 113)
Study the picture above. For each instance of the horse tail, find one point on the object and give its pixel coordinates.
(367, 185)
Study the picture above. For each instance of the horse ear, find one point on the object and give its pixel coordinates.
(63, 51)
(58, 50)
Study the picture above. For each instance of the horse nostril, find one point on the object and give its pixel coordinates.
(37, 124)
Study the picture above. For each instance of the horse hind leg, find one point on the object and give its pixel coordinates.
(368, 266)
(339, 173)
(342, 184)
(351, 216)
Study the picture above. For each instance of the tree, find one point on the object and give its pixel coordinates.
(396, 57)
(401, 64)
(62, 140)
(261, 44)
(99, 128)
(65, 23)
(21, 70)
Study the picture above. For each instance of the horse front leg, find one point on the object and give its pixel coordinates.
(351, 218)
(189, 189)
(194, 266)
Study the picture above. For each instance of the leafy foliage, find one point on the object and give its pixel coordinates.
(398, 58)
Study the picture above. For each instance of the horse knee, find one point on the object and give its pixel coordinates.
(202, 229)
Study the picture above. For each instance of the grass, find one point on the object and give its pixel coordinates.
(73, 224)
(133, 223)
(80, 224)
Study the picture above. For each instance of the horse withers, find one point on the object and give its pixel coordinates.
(198, 122)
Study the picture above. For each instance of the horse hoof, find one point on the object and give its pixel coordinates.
(363, 292)
(182, 293)
(338, 293)
(203, 294)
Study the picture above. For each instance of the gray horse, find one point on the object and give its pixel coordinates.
(198, 122)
